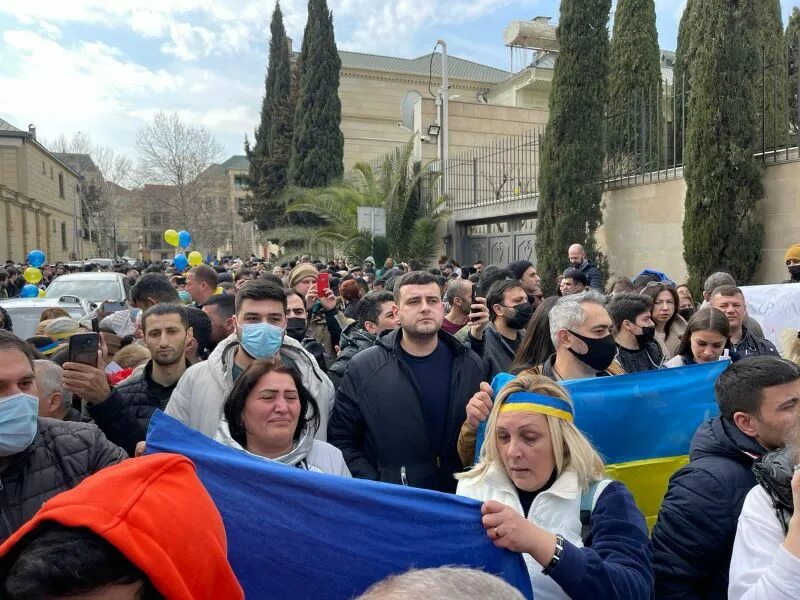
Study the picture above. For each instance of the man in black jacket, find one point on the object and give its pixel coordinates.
(124, 412)
(634, 333)
(578, 260)
(39, 457)
(759, 401)
(744, 342)
(401, 403)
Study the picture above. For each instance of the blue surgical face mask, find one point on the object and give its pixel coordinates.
(18, 422)
(134, 312)
(261, 340)
(185, 297)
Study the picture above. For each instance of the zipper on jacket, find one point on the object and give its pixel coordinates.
(9, 529)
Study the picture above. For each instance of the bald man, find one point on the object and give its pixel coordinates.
(578, 260)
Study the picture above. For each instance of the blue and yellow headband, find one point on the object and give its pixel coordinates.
(538, 403)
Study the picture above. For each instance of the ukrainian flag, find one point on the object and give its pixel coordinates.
(642, 423)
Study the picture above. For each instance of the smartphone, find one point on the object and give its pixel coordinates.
(323, 283)
(83, 348)
(96, 324)
(474, 298)
(112, 307)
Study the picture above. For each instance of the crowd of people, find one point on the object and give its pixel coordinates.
(383, 372)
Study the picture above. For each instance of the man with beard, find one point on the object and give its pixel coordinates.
(124, 413)
(401, 403)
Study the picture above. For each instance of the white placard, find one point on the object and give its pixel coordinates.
(775, 307)
(372, 219)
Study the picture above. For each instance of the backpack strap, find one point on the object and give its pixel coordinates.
(588, 502)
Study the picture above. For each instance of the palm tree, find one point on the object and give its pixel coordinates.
(411, 223)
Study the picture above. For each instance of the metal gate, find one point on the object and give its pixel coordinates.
(499, 242)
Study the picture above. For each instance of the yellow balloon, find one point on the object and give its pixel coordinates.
(195, 258)
(171, 237)
(32, 275)
(42, 293)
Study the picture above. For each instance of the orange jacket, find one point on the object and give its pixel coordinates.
(156, 512)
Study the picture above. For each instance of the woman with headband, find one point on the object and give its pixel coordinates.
(545, 495)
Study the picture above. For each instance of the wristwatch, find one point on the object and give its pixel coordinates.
(556, 555)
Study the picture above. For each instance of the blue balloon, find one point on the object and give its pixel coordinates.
(184, 239)
(36, 258)
(180, 262)
(29, 291)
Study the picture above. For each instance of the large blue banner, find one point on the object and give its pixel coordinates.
(297, 534)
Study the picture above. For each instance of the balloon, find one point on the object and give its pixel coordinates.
(29, 291)
(42, 293)
(32, 275)
(195, 258)
(184, 239)
(180, 262)
(36, 258)
(171, 237)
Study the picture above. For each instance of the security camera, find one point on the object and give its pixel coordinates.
(424, 138)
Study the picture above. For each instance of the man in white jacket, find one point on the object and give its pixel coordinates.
(260, 323)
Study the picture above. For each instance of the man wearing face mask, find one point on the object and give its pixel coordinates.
(39, 457)
(792, 260)
(509, 313)
(260, 325)
(634, 333)
(297, 327)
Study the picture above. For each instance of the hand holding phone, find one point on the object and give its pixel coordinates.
(323, 283)
(83, 348)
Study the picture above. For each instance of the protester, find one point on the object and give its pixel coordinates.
(693, 536)
(220, 309)
(442, 583)
(459, 299)
(297, 328)
(151, 289)
(132, 356)
(720, 279)
(537, 477)
(197, 346)
(260, 333)
(242, 276)
(578, 260)
(401, 403)
(573, 281)
(40, 457)
(377, 313)
(201, 283)
(634, 333)
(792, 261)
(706, 337)
(54, 401)
(326, 321)
(351, 293)
(52, 313)
(524, 272)
(131, 531)
(619, 285)
(670, 326)
(271, 415)
(6, 324)
(537, 345)
(730, 300)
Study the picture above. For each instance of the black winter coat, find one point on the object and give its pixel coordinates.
(378, 421)
(693, 537)
(61, 456)
(495, 350)
(354, 339)
(125, 415)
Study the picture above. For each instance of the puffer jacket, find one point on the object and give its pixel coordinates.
(495, 351)
(125, 415)
(696, 527)
(378, 422)
(61, 455)
(198, 398)
(354, 339)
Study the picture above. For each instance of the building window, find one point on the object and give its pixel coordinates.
(61, 185)
(63, 235)
(240, 182)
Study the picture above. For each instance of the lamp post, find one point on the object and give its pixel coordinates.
(444, 92)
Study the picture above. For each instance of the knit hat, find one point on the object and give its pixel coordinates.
(300, 272)
(518, 268)
(43, 344)
(793, 253)
(62, 328)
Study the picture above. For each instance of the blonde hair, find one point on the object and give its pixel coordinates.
(790, 339)
(131, 356)
(570, 447)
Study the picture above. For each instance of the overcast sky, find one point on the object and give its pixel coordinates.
(104, 67)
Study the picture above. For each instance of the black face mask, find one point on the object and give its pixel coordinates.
(794, 271)
(647, 335)
(601, 351)
(686, 313)
(522, 315)
(296, 328)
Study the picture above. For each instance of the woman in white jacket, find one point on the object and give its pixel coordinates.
(766, 554)
(271, 415)
(545, 496)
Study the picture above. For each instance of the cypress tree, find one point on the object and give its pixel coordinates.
(572, 149)
(720, 228)
(771, 78)
(793, 55)
(635, 85)
(318, 143)
(269, 158)
(681, 83)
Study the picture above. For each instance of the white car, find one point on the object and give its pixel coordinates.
(92, 286)
(25, 313)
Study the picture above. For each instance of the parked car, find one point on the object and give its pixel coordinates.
(25, 312)
(95, 287)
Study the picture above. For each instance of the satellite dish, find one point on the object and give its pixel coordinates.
(407, 108)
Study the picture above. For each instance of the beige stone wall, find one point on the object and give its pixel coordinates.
(643, 225)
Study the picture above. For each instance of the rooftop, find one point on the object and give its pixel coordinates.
(237, 162)
(6, 126)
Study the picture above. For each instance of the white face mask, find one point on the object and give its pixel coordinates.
(18, 422)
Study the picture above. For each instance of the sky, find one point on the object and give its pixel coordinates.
(104, 67)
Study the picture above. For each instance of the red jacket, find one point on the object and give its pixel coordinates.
(156, 512)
